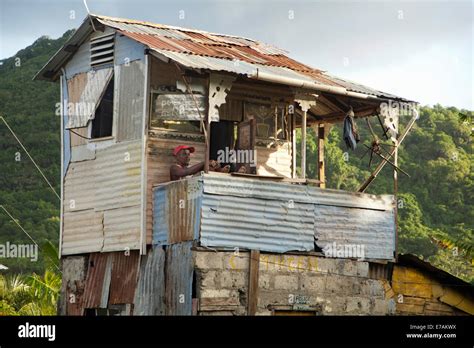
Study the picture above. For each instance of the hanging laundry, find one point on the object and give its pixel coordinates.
(351, 134)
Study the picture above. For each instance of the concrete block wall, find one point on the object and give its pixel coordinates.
(289, 283)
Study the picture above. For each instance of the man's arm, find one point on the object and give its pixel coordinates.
(177, 172)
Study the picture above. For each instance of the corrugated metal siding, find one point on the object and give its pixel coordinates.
(82, 232)
(179, 279)
(150, 292)
(122, 228)
(109, 186)
(260, 224)
(159, 159)
(177, 212)
(128, 103)
(96, 288)
(218, 184)
(124, 277)
(80, 61)
(373, 229)
(66, 136)
(127, 50)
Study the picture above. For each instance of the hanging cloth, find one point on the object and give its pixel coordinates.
(351, 134)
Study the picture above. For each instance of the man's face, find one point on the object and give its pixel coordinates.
(183, 157)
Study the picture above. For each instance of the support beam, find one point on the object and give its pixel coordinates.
(305, 102)
(253, 282)
(321, 164)
(293, 144)
(377, 170)
(395, 193)
(303, 145)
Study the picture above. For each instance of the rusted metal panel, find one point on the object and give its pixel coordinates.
(258, 224)
(110, 186)
(177, 207)
(96, 287)
(124, 277)
(372, 231)
(129, 102)
(83, 110)
(179, 279)
(150, 292)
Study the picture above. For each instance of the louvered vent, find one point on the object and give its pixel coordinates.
(102, 49)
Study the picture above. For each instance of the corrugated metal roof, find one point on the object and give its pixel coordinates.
(215, 52)
(169, 41)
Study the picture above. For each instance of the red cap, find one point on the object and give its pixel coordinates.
(182, 147)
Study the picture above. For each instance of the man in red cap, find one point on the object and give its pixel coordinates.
(181, 168)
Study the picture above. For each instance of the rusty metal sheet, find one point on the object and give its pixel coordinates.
(179, 279)
(124, 277)
(176, 216)
(96, 288)
(150, 292)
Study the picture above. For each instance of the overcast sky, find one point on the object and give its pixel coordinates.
(421, 50)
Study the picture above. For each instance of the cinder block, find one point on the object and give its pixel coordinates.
(231, 261)
(208, 279)
(264, 281)
(208, 260)
(373, 288)
(286, 282)
(232, 279)
(314, 284)
(357, 305)
(216, 293)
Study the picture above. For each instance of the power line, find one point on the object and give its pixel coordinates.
(31, 158)
(29, 236)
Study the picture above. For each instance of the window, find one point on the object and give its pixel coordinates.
(271, 120)
(103, 119)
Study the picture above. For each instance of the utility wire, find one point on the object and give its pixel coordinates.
(29, 236)
(31, 158)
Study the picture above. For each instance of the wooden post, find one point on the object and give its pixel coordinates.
(207, 133)
(395, 194)
(293, 144)
(303, 145)
(321, 166)
(253, 282)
